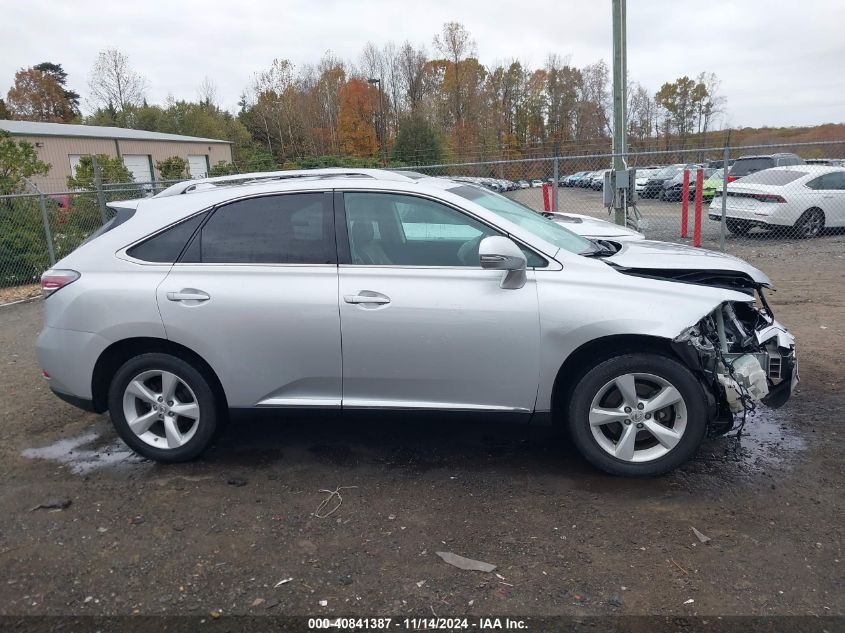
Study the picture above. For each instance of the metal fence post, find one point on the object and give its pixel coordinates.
(98, 183)
(557, 183)
(47, 234)
(722, 224)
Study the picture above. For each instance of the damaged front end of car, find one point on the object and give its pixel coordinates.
(743, 357)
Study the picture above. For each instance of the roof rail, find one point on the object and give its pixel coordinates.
(204, 184)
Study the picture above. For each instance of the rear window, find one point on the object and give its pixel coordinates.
(166, 246)
(744, 166)
(773, 177)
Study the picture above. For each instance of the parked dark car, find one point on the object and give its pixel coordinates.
(673, 189)
(654, 186)
(749, 164)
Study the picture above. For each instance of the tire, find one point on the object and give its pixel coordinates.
(154, 430)
(737, 227)
(681, 425)
(810, 224)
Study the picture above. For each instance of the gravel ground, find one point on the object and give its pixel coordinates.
(222, 533)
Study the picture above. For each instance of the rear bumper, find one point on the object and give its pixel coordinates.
(68, 357)
(82, 403)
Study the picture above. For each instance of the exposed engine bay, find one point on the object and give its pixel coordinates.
(743, 356)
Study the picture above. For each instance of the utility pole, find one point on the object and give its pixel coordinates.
(382, 129)
(620, 90)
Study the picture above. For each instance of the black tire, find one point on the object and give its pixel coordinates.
(810, 224)
(208, 422)
(737, 227)
(666, 368)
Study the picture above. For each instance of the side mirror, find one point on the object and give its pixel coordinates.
(500, 253)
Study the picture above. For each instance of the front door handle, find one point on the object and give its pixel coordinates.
(188, 294)
(367, 296)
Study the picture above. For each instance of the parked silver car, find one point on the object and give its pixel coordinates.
(379, 291)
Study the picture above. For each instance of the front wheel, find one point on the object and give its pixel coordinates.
(163, 408)
(638, 415)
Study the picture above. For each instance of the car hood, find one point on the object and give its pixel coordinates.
(685, 263)
(588, 226)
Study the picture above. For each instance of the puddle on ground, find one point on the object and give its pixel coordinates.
(768, 439)
(80, 460)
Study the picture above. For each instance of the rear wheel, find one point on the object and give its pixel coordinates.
(737, 227)
(638, 414)
(810, 224)
(163, 408)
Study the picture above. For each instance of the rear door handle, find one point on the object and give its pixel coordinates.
(367, 296)
(188, 294)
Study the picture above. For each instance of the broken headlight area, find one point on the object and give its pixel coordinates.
(743, 356)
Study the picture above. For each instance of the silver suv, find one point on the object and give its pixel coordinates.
(375, 290)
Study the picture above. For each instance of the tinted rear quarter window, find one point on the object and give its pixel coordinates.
(165, 247)
(281, 229)
(744, 166)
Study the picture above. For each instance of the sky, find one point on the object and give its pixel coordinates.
(780, 62)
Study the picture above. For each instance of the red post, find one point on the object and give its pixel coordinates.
(685, 206)
(696, 228)
(546, 202)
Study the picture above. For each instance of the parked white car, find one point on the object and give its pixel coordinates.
(806, 198)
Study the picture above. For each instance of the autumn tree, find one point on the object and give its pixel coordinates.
(4, 111)
(18, 160)
(356, 121)
(455, 44)
(56, 71)
(681, 101)
(38, 96)
(114, 83)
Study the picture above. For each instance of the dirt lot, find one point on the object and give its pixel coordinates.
(220, 534)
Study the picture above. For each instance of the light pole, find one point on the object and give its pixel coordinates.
(380, 129)
(620, 78)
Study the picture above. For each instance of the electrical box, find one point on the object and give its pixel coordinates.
(625, 180)
(607, 188)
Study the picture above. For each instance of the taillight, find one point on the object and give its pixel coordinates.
(54, 279)
(768, 197)
(731, 178)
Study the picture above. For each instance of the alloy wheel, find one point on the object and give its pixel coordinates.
(638, 417)
(161, 409)
(811, 223)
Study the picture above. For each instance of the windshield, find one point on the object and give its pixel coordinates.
(666, 172)
(542, 227)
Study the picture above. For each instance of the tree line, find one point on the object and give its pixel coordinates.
(400, 103)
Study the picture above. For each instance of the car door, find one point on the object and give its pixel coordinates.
(423, 326)
(255, 295)
(833, 198)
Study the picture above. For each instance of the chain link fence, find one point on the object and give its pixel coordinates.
(775, 194)
(37, 229)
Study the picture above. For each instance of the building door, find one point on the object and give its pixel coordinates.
(139, 166)
(198, 165)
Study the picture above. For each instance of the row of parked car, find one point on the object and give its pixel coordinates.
(770, 191)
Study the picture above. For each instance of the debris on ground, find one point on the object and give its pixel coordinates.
(136, 520)
(690, 601)
(701, 537)
(237, 482)
(420, 583)
(320, 512)
(53, 504)
(615, 600)
(465, 563)
(282, 582)
(258, 602)
(324, 603)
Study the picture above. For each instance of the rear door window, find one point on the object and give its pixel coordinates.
(281, 229)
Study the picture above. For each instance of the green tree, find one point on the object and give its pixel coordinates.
(222, 168)
(173, 168)
(681, 100)
(18, 160)
(56, 71)
(4, 111)
(417, 142)
(112, 170)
